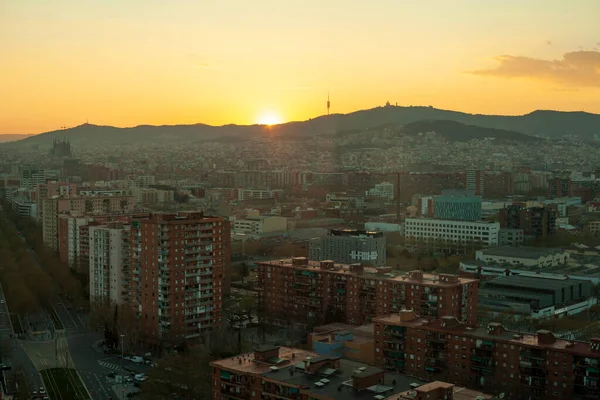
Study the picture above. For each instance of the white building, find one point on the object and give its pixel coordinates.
(449, 233)
(384, 227)
(142, 181)
(24, 207)
(524, 256)
(257, 194)
(383, 190)
(109, 263)
(259, 224)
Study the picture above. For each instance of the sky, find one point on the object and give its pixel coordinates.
(132, 62)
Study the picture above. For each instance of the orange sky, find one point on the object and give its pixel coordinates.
(133, 62)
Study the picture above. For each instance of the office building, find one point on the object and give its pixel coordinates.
(322, 292)
(511, 237)
(535, 221)
(55, 206)
(178, 263)
(384, 190)
(520, 366)
(259, 224)
(348, 246)
(109, 264)
(536, 296)
(475, 181)
(457, 205)
(450, 236)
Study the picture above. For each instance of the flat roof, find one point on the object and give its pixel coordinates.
(341, 378)
(541, 282)
(514, 337)
(372, 273)
(245, 362)
(521, 252)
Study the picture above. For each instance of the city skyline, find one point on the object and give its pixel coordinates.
(185, 63)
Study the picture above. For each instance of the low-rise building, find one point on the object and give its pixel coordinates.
(257, 225)
(524, 256)
(513, 365)
(348, 246)
(536, 296)
(450, 236)
(348, 341)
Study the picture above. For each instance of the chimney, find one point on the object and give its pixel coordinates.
(407, 315)
(416, 275)
(356, 269)
(327, 264)
(495, 328)
(545, 337)
(299, 261)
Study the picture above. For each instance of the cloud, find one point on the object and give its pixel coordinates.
(576, 69)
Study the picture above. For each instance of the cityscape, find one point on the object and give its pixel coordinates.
(244, 220)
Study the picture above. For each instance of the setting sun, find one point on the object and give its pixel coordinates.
(269, 119)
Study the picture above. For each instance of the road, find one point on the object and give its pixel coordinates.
(17, 357)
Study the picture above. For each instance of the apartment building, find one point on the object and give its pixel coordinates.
(535, 221)
(450, 236)
(277, 373)
(475, 181)
(257, 225)
(73, 235)
(323, 292)
(55, 206)
(257, 194)
(50, 190)
(519, 366)
(32, 176)
(109, 264)
(347, 246)
(384, 190)
(178, 263)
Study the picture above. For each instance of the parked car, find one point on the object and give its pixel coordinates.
(137, 359)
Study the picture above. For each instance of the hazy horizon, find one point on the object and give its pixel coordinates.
(149, 62)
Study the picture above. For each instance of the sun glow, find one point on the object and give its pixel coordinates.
(269, 119)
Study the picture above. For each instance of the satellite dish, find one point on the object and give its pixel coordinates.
(501, 395)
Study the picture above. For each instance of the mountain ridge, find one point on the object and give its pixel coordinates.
(548, 124)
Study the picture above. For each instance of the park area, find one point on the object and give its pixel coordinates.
(64, 383)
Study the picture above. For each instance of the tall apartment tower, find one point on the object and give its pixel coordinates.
(179, 262)
(348, 246)
(475, 181)
(109, 264)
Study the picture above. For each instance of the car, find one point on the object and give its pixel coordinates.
(42, 390)
(1, 301)
(129, 379)
(137, 359)
(128, 358)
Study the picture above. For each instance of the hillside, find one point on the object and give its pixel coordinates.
(457, 132)
(12, 138)
(546, 124)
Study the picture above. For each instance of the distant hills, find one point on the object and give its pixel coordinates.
(452, 124)
(12, 138)
(456, 132)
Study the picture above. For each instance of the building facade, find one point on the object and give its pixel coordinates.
(179, 262)
(348, 246)
(53, 207)
(450, 236)
(322, 292)
(535, 221)
(457, 205)
(109, 263)
(521, 366)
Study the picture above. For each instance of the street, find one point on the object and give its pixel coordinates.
(17, 357)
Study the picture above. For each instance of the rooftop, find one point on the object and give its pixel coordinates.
(384, 273)
(452, 326)
(538, 283)
(246, 363)
(338, 383)
(533, 253)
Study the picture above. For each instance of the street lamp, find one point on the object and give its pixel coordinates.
(122, 376)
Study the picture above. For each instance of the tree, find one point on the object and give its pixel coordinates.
(185, 375)
(244, 271)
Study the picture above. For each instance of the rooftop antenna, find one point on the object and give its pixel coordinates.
(328, 103)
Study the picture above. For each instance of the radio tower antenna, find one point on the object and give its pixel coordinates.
(328, 103)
